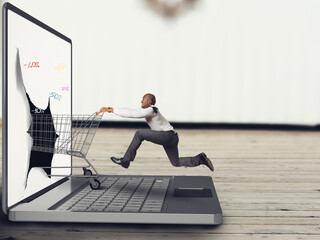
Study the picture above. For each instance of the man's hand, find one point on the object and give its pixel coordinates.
(106, 109)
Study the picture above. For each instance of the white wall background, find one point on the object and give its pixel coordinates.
(234, 61)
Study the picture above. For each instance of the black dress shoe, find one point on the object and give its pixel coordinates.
(206, 161)
(120, 161)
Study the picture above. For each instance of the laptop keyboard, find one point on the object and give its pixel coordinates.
(121, 194)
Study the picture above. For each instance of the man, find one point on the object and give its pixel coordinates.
(161, 133)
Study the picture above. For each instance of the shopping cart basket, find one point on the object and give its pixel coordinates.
(66, 134)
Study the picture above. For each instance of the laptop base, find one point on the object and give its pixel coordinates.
(189, 200)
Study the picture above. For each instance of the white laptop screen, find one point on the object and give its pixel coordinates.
(38, 86)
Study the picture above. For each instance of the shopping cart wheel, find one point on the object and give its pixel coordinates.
(87, 172)
(95, 184)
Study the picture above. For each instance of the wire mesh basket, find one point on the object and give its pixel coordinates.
(66, 134)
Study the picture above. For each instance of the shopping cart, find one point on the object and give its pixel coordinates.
(66, 134)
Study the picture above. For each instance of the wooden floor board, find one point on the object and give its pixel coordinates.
(268, 183)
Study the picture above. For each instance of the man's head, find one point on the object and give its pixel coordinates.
(148, 100)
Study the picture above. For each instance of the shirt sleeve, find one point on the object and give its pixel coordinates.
(134, 113)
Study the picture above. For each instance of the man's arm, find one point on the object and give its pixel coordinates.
(131, 113)
(134, 113)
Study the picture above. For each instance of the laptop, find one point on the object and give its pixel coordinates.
(39, 184)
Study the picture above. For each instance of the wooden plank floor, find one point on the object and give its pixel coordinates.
(268, 183)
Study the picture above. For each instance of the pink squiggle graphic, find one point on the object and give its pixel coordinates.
(64, 88)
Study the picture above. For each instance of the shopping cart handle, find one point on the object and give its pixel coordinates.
(105, 110)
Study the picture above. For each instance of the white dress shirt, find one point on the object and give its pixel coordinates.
(155, 120)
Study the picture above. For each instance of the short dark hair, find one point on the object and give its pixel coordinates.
(151, 97)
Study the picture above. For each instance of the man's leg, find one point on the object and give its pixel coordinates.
(173, 155)
(157, 137)
(172, 151)
(169, 140)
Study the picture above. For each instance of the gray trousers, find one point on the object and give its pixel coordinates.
(169, 140)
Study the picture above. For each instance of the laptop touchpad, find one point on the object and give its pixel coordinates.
(193, 192)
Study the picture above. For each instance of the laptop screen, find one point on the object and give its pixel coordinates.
(37, 104)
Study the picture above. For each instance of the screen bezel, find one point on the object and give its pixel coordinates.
(5, 8)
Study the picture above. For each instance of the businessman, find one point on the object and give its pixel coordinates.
(161, 133)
